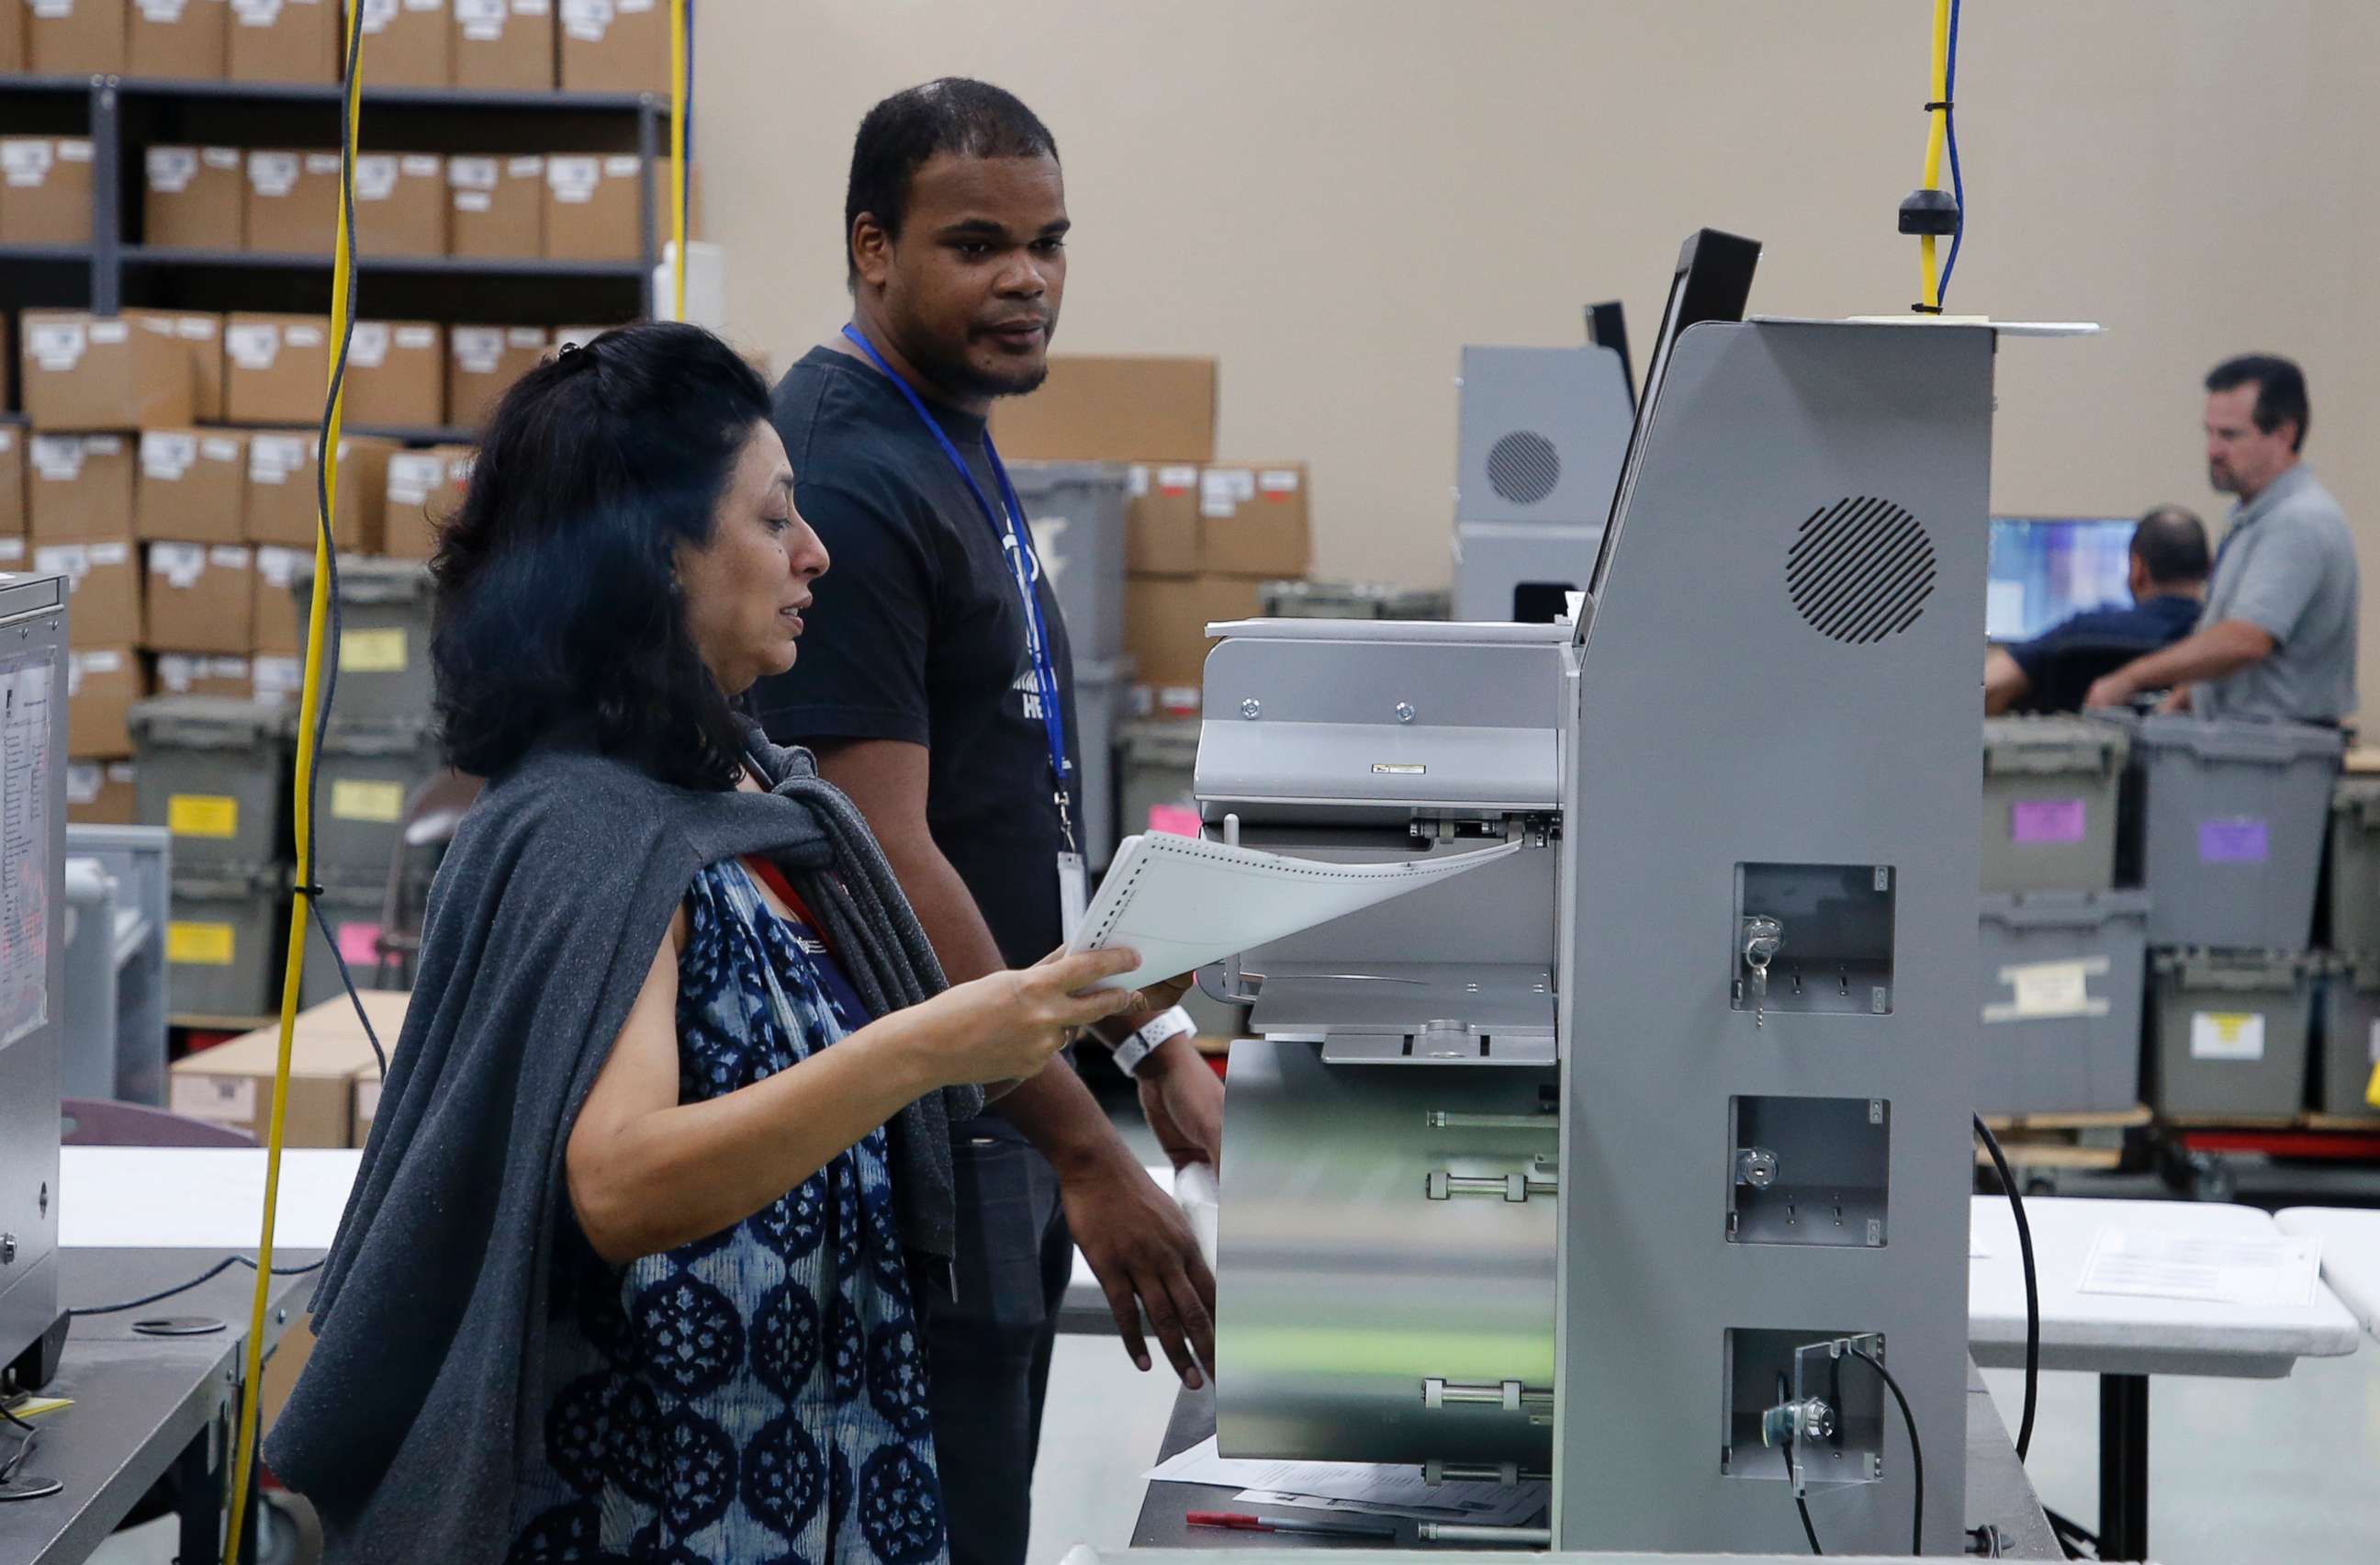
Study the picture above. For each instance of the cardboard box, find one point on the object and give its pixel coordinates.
(424, 488)
(99, 793)
(1099, 409)
(202, 335)
(498, 207)
(386, 1007)
(194, 196)
(593, 207)
(409, 43)
(76, 37)
(274, 635)
(396, 373)
(1162, 522)
(483, 361)
(193, 486)
(190, 39)
(104, 580)
(282, 499)
(45, 195)
(183, 673)
(285, 41)
(277, 368)
(278, 675)
(12, 480)
(12, 39)
(504, 46)
(78, 487)
(231, 1084)
(1252, 520)
(1165, 620)
(615, 46)
(293, 202)
(198, 597)
(102, 685)
(93, 372)
(400, 203)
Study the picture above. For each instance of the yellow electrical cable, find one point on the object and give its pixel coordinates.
(677, 157)
(1937, 115)
(343, 263)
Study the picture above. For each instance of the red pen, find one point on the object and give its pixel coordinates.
(1240, 1521)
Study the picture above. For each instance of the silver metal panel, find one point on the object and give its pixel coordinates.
(1344, 1287)
(1717, 727)
(1543, 434)
(1492, 558)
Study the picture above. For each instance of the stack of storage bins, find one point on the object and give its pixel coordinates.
(2062, 949)
(2224, 825)
(2350, 1010)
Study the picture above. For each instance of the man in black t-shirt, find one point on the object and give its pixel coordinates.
(2168, 578)
(919, 693)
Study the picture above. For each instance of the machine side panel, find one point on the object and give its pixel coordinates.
(1741, 704)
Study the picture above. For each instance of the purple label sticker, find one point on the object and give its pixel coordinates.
(2242, 841)
(2046, 820)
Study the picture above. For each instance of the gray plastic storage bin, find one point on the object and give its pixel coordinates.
(1158, 762)
(354, 916)
(2050, 792)
(362, 778)
(1322, 600)
(383, 637)
(2062, 1002)
(2355, 865)
(2231, 1032)
(1075, 510)
(2225, 826)
(2350, 1036)
(214, 773)
(1100, 691)
(1417, 603)
(224, 942)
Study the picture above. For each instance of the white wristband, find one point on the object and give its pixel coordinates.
(1160, 1030)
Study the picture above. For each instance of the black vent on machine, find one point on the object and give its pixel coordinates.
(1861, 570)
(1523, 468)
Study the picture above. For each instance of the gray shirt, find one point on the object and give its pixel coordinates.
(2287, 567)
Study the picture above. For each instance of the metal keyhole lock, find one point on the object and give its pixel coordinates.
(1763, 937)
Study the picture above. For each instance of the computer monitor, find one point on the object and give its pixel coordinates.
(1713, 282)
(2047, 570)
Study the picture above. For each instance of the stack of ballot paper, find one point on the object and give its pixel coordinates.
(1355, 1487)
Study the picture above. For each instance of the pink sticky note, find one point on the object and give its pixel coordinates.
(2047, 820)
(1173, 820)
(360, 943)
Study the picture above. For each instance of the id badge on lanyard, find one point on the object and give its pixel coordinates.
(1074, 893)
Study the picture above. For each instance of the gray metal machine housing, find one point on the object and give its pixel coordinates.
(1543, 434)
(1598, 1161)
(32, 971)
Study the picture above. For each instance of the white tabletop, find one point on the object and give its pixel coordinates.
(198, 1198)
(2120, 1334)
(2350, 1254)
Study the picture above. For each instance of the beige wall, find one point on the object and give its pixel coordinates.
(1333, 196)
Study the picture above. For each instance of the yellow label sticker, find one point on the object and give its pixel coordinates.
(355, 798)
(202, 815)
(372, 651)
(201, 945)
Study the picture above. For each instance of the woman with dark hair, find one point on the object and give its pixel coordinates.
(626, 1274)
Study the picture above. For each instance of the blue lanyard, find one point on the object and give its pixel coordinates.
(1024, 568)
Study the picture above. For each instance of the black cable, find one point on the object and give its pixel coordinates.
(1808, 1530)
(1916, 1449)
(200, 1280)
(2032, 1289)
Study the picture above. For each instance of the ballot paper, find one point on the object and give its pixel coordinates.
(1182, 902)
(1355, 1486)
(2209, 1268)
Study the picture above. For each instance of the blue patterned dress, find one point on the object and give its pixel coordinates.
(758, 1397)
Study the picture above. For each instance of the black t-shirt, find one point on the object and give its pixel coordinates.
(917, 634)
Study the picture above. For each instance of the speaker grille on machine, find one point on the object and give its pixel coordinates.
(1523, 468)
(1861, 570)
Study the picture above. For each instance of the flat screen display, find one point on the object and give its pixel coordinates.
(2047, 570)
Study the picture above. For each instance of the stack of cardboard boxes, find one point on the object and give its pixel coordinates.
(507, 45)
(1201, 534)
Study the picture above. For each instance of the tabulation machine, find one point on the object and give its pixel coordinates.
(1625, 1159)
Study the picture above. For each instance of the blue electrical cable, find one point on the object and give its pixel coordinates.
(1951, 134)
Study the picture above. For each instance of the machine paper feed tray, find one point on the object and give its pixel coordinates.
(1411, 1013)
(1182, 902)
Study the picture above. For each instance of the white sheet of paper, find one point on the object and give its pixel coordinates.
(1353, 1486)
(1182, 902)
(2208, 1269)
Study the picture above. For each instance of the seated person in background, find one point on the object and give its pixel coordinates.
(2168, 582)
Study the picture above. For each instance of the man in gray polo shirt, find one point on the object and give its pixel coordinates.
(2276, 640)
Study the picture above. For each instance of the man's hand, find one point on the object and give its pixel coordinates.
(1183, 1102)
(1166, 996)
(1146, 1257)
(2111, 689)
(2176, 699)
